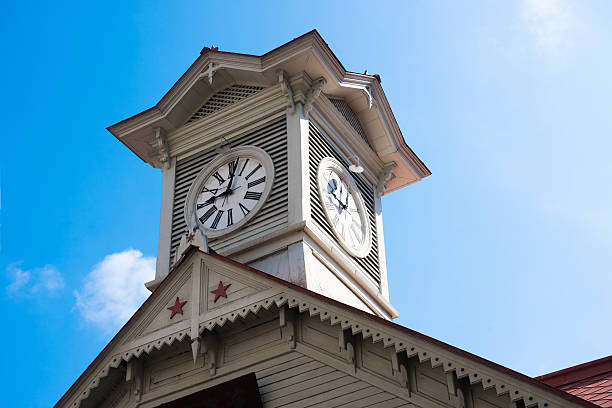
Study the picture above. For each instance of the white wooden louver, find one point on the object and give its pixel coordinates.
(319, 147)
(350, 116)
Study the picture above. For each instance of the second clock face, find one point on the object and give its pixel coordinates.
(344, 208)
(230, 190)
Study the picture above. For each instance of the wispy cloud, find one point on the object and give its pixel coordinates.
(549, 21)
(39, 280)
(114, 289)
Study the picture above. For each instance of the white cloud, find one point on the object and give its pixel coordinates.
(549, 21)
(46, 279)
(114, 289)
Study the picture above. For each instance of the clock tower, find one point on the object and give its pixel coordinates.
(279, 162)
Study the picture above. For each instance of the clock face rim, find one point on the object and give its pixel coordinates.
(206, 172)
(330, 163)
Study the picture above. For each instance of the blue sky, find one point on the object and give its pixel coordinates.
(504, 251)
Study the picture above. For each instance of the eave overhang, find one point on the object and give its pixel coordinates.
(213, 70)
(463, 364)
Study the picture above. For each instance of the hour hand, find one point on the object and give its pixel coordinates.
(210, 201)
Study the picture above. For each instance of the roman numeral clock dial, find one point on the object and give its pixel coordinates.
(344, 207)
(230, 191)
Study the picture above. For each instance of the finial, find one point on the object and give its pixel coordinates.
(212, 48)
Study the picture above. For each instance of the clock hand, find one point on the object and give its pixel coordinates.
(342, 206)
(346, 202)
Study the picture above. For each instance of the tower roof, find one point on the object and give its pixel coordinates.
(215, 70)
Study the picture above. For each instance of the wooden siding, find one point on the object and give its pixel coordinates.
(299, 382)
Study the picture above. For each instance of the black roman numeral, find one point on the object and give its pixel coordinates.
(233, 165)
(256, 182)
(212, 191)
(253, 172)
(252, 195)
(216, 220)
(220, 179)
(230, 217)
(245, 210)
(208, 214)
(243, 167)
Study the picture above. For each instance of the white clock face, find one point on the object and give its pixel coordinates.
(231, 190)
(344, 208)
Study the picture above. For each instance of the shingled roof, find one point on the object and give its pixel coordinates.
(591, 381)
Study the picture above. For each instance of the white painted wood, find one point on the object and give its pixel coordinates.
(382, 258)
(297, 154)
(315, 373)
(162, 266)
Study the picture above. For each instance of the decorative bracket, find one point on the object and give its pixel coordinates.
(288, 325)
(400, 366)
(134, 375)
(209, 72)
(312, 94)
(454, 389)
(209, 348)
(286, 89)
(386, 175)
(368, 93)
(346, 342)
(161, 146)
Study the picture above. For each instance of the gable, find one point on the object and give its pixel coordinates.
(263, 325)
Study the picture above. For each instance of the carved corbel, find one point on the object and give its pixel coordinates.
(135, 376)
(286, 89)
(209, 349)
(161, 146)
(288, 325)
(386, 175)
(312, 94)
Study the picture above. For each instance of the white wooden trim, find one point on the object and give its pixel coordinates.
(162, 266)
(382, 260)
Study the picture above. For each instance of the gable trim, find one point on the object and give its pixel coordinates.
(404, 340)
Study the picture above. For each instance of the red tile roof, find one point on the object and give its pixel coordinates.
(590, 381)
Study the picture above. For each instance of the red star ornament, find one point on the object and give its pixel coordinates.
(220, 291)
(177, 307)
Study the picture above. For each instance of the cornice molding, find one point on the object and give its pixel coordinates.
(309, 50)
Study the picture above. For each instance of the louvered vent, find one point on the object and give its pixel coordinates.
(350, 116)
(320, 146)
(224, 98)
(271, 137)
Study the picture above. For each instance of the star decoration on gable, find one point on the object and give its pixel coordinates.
(220, 291)
(177, 307)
